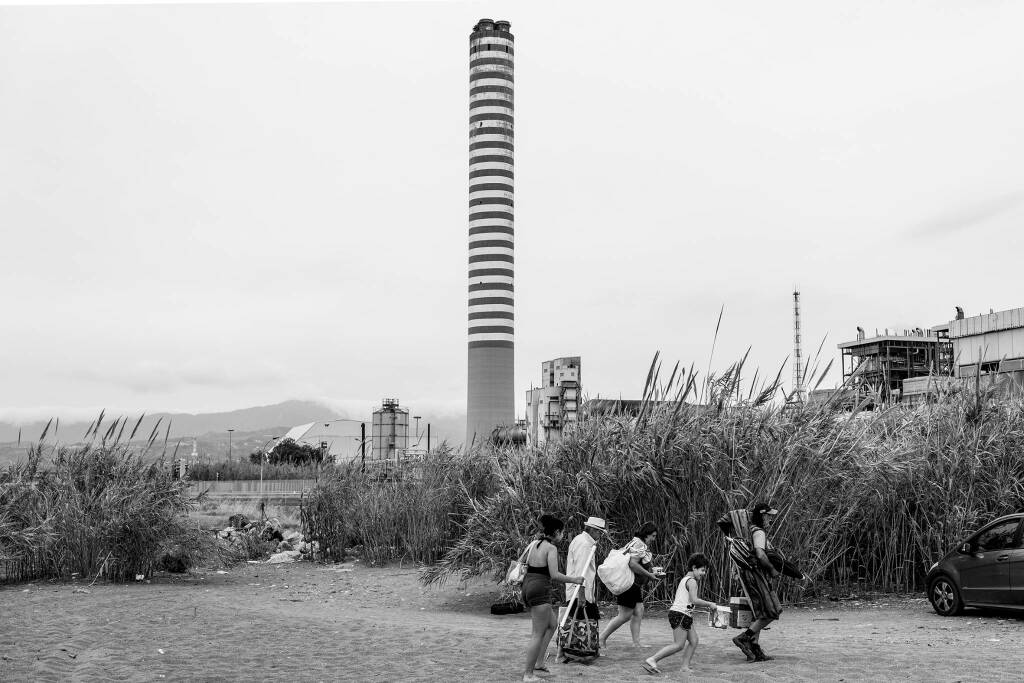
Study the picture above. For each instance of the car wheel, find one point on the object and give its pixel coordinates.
(945, 597)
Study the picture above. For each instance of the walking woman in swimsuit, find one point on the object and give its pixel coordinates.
(539, 594)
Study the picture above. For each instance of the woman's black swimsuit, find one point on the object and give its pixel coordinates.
(537, 586)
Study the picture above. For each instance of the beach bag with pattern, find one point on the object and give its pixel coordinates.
(577, 634)
(615, 573)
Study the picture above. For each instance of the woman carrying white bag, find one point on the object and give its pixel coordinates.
(624, 573)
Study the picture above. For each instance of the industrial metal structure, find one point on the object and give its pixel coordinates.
(491, 353)
(798, 394)
(553, 406)
(390, 431)
(878, 365)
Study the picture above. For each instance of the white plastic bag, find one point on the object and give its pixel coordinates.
(615, 573)
(517, 568)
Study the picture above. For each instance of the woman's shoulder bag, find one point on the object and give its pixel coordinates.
(517, 568)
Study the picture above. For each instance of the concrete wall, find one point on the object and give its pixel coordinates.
(989, 347)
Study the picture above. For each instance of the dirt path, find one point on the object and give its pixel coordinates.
(348, 622)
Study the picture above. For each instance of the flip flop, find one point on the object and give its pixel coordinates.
(653, 670)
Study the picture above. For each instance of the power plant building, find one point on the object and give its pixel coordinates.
(554, 406)
(917, 365)
(491, 353)
(878, 366)
(987, 349)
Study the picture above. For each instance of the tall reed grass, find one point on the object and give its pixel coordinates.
(869, 499)
(413, 516)
(98, 510)
(248, 471)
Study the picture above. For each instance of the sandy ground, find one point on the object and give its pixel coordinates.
(349, 622)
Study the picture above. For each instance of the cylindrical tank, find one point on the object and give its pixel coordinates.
(509, 436)
(390, 430)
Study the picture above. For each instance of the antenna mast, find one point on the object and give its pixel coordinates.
(798, 366)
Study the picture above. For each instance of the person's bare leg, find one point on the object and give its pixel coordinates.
(540, 622)
(546, 639)
(624, 615)
(692, 639)
(678, 643)
(634, 624)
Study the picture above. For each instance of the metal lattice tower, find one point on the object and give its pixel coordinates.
(798, 364)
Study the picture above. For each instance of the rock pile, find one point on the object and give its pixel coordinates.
(291, 545)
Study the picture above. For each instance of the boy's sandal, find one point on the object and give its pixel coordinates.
(653, 670)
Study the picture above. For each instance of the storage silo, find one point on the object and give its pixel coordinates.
(390, 430)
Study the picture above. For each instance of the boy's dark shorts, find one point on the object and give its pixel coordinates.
(679, 620)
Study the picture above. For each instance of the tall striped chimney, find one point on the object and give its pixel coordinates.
(491, 393)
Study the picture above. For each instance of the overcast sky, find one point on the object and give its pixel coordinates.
(213, 207)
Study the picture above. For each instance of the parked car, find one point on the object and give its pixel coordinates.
(986, 570)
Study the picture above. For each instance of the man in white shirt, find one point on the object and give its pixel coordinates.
(582, 559)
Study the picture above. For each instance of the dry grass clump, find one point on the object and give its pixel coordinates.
(97, 510)
(248, 471)
(412, 517)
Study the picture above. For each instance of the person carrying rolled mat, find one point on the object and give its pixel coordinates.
(747, 534)
(539, 594)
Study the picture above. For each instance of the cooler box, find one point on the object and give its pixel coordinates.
(740, 615)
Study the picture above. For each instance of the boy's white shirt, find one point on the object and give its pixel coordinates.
(684, 601)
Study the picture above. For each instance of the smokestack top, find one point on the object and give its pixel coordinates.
(491, 25)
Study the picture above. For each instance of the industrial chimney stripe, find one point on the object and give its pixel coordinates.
(491, 332)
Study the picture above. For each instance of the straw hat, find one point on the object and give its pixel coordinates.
(595, 523)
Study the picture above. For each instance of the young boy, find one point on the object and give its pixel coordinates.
(680, 616)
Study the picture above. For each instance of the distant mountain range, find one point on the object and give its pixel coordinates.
(252, 426)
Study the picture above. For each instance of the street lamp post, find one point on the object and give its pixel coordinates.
(263, 456)
(229, 444)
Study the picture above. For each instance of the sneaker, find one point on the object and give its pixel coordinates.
(744, 644)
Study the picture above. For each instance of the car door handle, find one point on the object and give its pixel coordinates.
(1002, 557)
